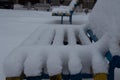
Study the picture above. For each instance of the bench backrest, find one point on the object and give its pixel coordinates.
(94, 38)
(73, 5)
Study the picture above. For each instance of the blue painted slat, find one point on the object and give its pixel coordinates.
(86, 75)
(45, 76)
(65, 77)
(94, 38)
(76, 77)
(108, 56)
(34, 78)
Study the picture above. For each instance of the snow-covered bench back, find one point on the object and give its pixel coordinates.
(45, 51)
(105, 18)
(58, 36)
(65, 10)
(72, 4)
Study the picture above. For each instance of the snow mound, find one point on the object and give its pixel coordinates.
(105, 18)
(42, 53)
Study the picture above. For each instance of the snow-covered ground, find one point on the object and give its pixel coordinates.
(16, 26)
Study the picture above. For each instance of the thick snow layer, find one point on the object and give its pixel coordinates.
(71, 36)
(61, 10)
(65, 9)
(33, 62)
(37, 53)
(32, 57)
(21, 23)
(59, 37)
(17, 25)
(56, 35)
(105, 18)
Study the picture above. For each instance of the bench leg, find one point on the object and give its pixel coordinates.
(70, 19)
(100, 76)
(56, 77)
(61, 19)
(34, 78)
(14, 78)
(114, 63)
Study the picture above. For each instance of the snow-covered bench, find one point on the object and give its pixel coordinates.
(65, 10)
(114, 61)
(58, 50)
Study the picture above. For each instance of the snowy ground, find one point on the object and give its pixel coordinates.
(16, 26)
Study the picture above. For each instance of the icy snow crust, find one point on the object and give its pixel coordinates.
(41, 52)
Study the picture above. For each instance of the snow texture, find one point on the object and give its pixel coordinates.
(54, 57)
(34, 58)
(17, 25)
(105, 18)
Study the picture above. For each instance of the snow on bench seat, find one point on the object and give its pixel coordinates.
(42, 53)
